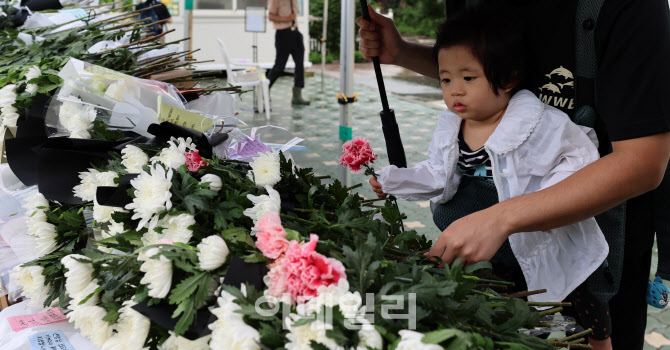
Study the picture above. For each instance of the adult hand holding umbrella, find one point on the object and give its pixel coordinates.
(394, 148)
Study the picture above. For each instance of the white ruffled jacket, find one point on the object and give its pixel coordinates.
(534, 146)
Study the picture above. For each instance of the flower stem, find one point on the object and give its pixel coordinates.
(577, 335)
(550, 311)
(354, 186)
(536, 303)
(524, 294)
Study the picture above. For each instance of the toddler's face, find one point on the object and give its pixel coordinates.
(465, 89)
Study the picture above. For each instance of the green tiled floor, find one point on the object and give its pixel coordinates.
(318, 124)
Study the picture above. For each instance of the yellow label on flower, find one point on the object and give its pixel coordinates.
(192, 120)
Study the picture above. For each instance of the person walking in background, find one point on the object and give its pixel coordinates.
(288, 41)
(154, 15)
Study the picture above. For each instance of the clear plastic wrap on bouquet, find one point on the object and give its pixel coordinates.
(119, 86)
(92, 93)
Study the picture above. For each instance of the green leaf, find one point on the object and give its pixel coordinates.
(482, 265)
(437, 337)
(187, 287)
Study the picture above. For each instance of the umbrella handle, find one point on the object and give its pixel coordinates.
(376, 64)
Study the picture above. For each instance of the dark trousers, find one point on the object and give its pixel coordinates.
(289, 42)
(662, 226)
(628, 308)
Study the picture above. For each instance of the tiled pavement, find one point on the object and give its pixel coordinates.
(318, 124)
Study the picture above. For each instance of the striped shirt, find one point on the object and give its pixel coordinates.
(473, 163)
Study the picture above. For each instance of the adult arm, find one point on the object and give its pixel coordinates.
(634, 167)
(381, 38)
(277, 18)
(630, 33)
(273, 13)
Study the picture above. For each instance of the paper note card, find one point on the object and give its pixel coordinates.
(251, 148)
(184, 118)
(52, 315)
(54, 340)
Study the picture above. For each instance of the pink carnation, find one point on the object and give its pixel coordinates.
(276, 281)
(356, 153)
(194, 161)
(271, 237)
(305, 270)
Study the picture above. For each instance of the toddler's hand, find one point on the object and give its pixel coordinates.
(377, 187)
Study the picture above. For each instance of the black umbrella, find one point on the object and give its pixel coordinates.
(394, 147)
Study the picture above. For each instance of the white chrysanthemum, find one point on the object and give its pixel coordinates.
(79, 281)
(152, 195)
(173, 155)
(31, 280)
(106, 178)
(368, 336)
(176, 227)
(411, 340)
(76, 117)
(265, 169)
(133, 158)
(212, 252)
(157, 273)
(132, 330)
(33, 72)
(113, 228)
(334, 295)
(215, 182)
(181, 343)
(32, 88)
(229, 330)
(103, 213)
(9, 119)
(8, 112)
(300, 337)
(46, 237)
(263, 204)
(88, 319)
(90, 180)
(35, 206)
(115, 90)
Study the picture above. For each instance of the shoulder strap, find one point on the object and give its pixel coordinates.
(586, 66)
(586, 62)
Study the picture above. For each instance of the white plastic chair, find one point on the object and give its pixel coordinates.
(252, 76)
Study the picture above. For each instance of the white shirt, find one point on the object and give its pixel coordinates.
(534, 146)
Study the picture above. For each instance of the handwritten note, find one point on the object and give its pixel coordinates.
(54, 340)
(191, 120)
(52, 315)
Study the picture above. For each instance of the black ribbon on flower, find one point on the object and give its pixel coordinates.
(166, 130)
(23, 150)
(241, 272)
(41, 5)
(161, 314)
(54, 163)
(116, 196)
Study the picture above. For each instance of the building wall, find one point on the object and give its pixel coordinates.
(229, 26)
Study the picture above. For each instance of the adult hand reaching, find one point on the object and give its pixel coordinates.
(473, 238)
(379, 37)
